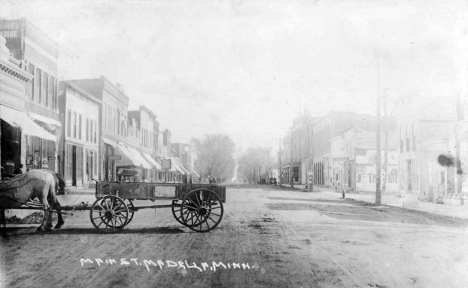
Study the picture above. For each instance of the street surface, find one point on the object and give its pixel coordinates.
(267, 238)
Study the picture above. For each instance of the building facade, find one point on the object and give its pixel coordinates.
(145, 120)
(38, 55)
(325, 129)
(13, 129)
(80, 141)
(425, 134)
(353, 160)
(114, 124)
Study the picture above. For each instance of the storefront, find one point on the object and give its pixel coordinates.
(156, 167)
(109, 148)
(132, 158)
(40, 145)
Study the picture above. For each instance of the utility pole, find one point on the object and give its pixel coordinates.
(291, 172)
(279, 170)
(385, 178)
(311, 155)
(378, 196)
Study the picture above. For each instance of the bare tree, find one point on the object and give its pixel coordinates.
(254, 163)
(215, 156)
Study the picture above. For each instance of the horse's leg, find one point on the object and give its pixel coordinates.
(47, 222)
(55, 203)
(60, 221)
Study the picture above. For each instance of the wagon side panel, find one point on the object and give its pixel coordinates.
(138, 190)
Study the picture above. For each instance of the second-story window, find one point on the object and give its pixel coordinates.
(44, 89)
(401, 140)
(50, 93)
(79, 125)
(87, 129)
(30, 86)
(95, 132)
(91, 130)
(407, 139)
(37, 85)
(69, 121)
(74, 124)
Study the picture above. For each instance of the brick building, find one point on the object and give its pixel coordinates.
(38, 55)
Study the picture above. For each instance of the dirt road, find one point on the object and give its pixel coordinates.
(267, 238)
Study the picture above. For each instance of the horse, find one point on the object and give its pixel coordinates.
(34, 183)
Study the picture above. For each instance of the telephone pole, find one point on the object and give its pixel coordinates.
(385, 177)
(280, 172)
(310, 178)
(291, 172)
(378, 195)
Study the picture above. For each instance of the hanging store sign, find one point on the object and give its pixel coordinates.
(166, 164)
(117, 157)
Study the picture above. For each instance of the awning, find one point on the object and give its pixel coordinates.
(152, 161)
(185, 170)
(20, 119)
(110, 142)
(128, 158)
(177, 167)
(44, 119)
(176, 162)
(193, 172)
(137, 155)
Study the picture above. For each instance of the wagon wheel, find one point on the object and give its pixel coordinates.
(130, 213)
(176, 208)
(201, 210)
(110, 211)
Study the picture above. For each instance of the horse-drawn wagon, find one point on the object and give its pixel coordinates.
(196, 206)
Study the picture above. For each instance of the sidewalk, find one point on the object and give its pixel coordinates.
(392, 200)
(72, 190)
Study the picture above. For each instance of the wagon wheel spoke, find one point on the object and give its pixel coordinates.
(208, 225)
(198, 200)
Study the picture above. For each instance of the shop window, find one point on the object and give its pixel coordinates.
(95, 163)
(393, 176)
(51, 155)
(79, 162)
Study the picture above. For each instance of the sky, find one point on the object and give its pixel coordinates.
(247, 68)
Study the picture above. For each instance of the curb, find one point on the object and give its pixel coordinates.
(79, 193)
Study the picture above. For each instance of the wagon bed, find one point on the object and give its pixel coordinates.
(196, 206)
